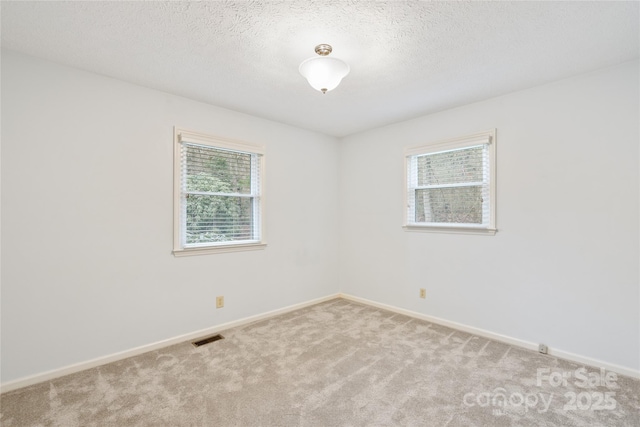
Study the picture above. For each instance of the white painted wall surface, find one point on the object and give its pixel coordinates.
(563, 267)
(87, 269)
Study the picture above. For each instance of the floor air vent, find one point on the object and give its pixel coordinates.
(207, 340)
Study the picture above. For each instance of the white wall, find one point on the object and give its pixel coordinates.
(87, 269)
(563, 267)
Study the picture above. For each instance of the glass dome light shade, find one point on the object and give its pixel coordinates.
(324, 73)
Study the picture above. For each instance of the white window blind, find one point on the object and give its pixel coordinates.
(451, 184)
(219, 190)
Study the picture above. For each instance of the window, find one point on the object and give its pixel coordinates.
(450, 185)
(218, 202)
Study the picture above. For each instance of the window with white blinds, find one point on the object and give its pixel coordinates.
(450, 185)
(218, 186)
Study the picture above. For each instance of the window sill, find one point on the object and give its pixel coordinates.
(218, 249)
(450, 229)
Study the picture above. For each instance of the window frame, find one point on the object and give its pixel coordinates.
(186, 136)
(468, 141)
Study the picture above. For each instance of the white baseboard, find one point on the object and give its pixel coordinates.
(71, 369)
(502, 338)
(56, 373)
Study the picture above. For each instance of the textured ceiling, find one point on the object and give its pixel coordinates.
(407, 58)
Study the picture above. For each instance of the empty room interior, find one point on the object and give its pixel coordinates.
(373, 213)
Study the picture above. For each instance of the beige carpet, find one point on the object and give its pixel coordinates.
(333, 364)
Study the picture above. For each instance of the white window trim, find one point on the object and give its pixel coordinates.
(450, 144)
(180, 135)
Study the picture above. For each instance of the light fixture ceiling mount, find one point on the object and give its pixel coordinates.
(323, 49)
(324, 73)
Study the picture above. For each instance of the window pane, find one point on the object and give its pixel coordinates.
(458, 205)
(220, 171)
(213, 219)
(451, 167)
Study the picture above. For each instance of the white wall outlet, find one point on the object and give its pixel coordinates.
(423, 293)
(543, 349)
(219, 302)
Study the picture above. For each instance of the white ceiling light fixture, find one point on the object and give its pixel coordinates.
(322, 72)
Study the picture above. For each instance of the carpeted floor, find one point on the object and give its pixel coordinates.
(333, 364)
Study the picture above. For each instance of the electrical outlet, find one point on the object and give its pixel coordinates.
(543, 349)
(219, 302)
(423, 293)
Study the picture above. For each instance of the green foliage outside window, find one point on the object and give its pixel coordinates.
(455, 178)
(216, 211)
